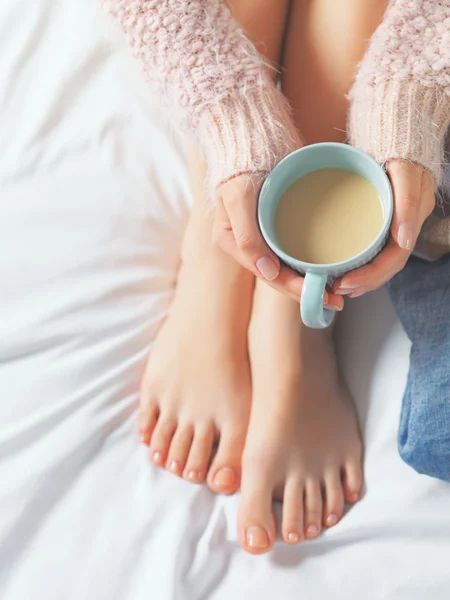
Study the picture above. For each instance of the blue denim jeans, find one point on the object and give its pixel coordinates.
(421, 296)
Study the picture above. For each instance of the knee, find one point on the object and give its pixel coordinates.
(427, 456)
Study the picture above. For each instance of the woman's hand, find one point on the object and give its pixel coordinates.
(414, 201)
(237, 233)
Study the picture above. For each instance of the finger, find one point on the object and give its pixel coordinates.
(428, 197)
(291, 283)
(361, 291)
(240, 200)
(406, 181)
(375, 274)
(412, 189)
(288, 281)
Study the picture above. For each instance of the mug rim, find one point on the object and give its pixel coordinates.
(323, 267)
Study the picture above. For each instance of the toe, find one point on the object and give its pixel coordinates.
(148, 416)
(334, 499)
(225, 472)
(199, 455)
(313, 509)
(161, 438)
(256, 522)
(353, 481)
(292, 525)
(179, 449)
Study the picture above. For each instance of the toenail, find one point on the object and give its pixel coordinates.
(257, 537)
(332, 520)
(193, 475)
(354, 497)
(312, 530)
(293, 538)
(225, 478)
(157, 457)
(174, 466)
(143, 439)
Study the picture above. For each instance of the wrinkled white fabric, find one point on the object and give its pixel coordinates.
(94, 198)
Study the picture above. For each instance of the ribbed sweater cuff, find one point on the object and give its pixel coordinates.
(246, 134)
(400, 120)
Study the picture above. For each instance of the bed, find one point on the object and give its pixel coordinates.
(94, 197)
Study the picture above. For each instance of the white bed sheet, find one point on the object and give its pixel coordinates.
(94, 197)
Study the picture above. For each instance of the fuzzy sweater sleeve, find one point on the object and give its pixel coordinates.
(212, 81)
(400, 102)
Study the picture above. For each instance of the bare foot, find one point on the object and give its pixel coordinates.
(303, 443)
(196, 389)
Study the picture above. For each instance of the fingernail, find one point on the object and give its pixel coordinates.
(405, 236)
(331, 305)
(267, 268)
(346, 291)
(157, 457)
(225, 478)
(312, 530)
(257, 537)
(332, 520)
(358, 294)
(293, 538)
(334, 307)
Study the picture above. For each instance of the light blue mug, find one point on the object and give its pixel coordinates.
(294, 166)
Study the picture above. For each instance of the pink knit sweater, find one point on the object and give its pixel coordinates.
(401, 99)
(212, 80)
(400, 103)
(216, 85)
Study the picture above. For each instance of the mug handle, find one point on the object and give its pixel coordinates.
(312, 312)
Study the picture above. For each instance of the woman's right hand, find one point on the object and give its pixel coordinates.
(237, 233)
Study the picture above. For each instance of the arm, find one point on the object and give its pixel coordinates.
(212, 80)
(264, 23)
(217, 86)
(401, 98)
(400, 112)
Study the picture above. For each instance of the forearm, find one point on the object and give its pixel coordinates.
(213, 81)
(264, 23)
(400, 103)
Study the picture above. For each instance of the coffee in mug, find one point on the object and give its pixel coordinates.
(328, 216)
(325, 209)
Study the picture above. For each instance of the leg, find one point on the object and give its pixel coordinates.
(326, 41)
(303, 443)
(196, 389)
(420, 294)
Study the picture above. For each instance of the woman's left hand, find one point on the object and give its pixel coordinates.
(414, 201)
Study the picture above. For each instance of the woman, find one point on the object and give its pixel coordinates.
(302, 442)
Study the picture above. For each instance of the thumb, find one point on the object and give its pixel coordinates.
(406, 180)
(240, 200)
